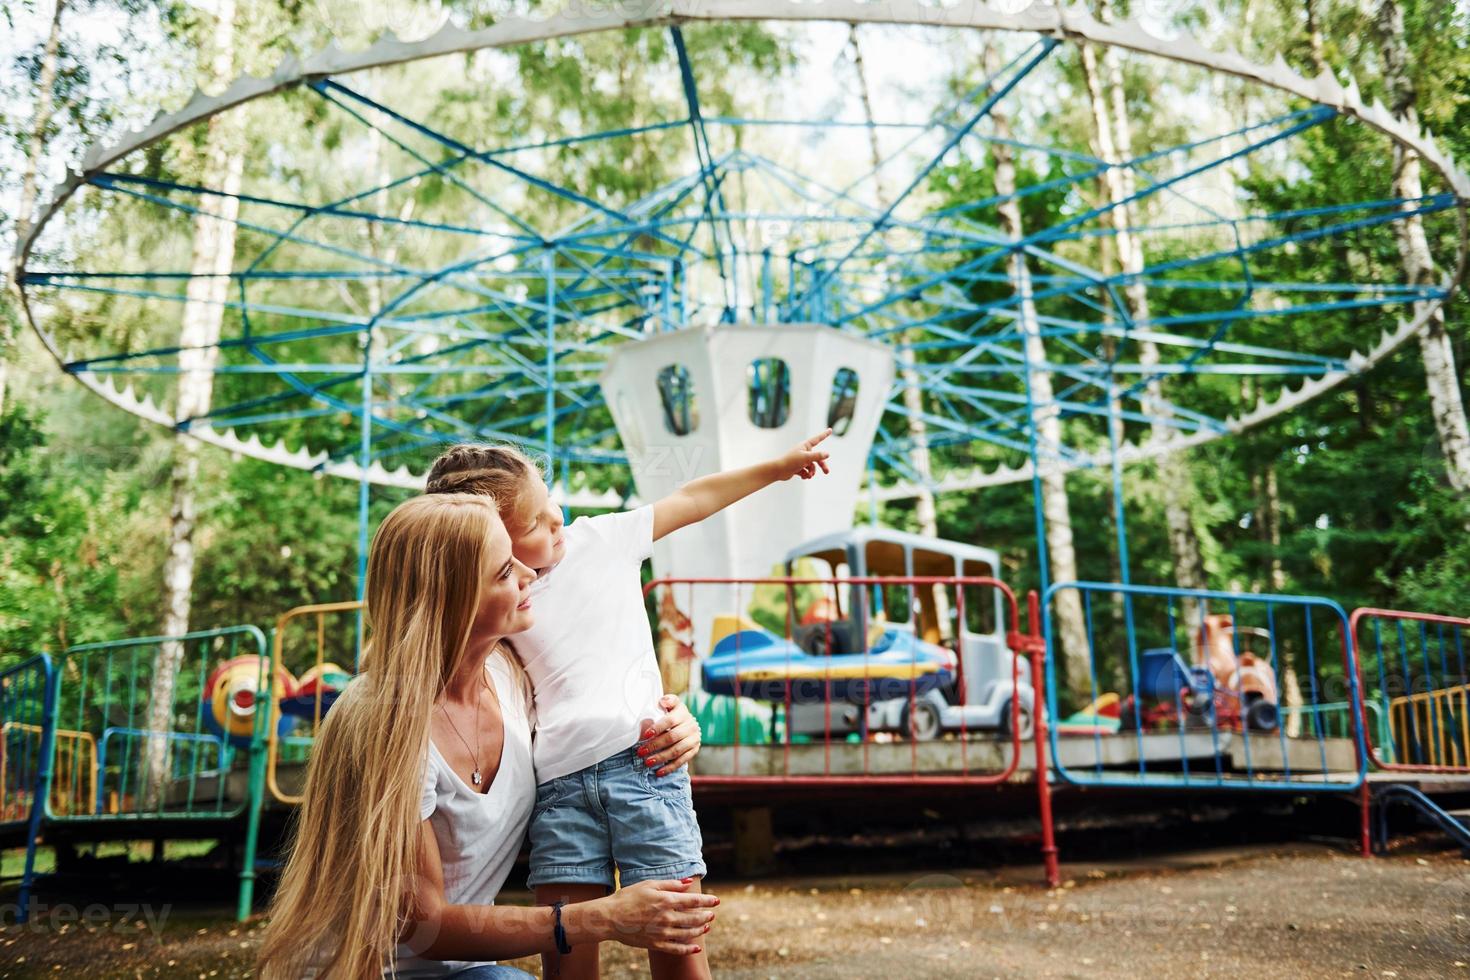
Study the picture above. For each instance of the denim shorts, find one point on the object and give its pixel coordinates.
(614, 812)
(489, 971)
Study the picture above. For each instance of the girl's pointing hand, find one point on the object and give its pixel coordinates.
(804, 459)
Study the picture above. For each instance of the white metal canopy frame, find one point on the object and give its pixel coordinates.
(364, 361)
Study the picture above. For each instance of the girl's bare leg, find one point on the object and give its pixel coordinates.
(582, 962)
(668, 966)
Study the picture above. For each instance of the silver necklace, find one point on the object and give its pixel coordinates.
(475, 776)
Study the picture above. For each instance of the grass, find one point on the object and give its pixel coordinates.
(12, 861)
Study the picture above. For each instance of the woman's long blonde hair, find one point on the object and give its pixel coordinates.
(342, 900)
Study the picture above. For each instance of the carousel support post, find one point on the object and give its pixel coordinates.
(550, 269)
(364, 492)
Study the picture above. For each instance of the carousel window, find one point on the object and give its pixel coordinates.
(769, 384)
(676, 393)
(844, 400)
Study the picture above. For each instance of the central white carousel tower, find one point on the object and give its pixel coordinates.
(704, 399)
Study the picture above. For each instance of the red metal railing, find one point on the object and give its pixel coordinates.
(1426, 711)
(1035, 644)
(952, 765)
(1419, 678)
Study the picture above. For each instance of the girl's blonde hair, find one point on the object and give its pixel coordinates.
(343, 897)
(501, 471)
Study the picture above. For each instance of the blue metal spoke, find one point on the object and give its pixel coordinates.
(997, 94)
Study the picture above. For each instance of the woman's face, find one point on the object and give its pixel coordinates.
(505, 598)
(538, 541)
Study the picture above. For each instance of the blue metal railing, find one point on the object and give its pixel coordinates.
(1335, 720)
(107, 691)
(1385, 796)
(27, 705)
(185, 766)
(25, 694)
(1196, 672)
(107, 697)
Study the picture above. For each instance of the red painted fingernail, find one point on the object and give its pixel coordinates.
(706, 928)
(648, 734)
(699, 949)
(643, 750)
(650, 762)
(717, 901)
(686, 880)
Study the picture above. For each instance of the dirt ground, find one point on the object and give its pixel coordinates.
(1296, 911)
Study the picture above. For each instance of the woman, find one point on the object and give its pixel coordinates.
(420, 786)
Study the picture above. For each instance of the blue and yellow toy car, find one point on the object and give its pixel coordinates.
(921, 660)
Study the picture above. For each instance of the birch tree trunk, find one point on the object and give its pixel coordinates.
(1446, 404)
(1055, 506)
(208, 288)
(1113, 133)
(35, 148)
(913, 393)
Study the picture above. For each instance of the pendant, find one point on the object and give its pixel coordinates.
(475, 777)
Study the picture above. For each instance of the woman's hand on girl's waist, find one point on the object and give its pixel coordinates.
(669, 742)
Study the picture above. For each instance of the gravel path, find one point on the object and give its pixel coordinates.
(1297, 911)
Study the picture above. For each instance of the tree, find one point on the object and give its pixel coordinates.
(35, 150)
(1442, 381)
(913, 389)
(54, 87)
(213, 258)
(75, 527)
(1046, 419)
(1114, 143)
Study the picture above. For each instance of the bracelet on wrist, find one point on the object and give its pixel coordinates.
(558, 931)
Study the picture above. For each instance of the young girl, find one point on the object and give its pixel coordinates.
(420, 785)
(600, 801)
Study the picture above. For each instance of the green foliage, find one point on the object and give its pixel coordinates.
(70, 563)
(84, 524)
(779, 610)
(273, 539)
(86, 490)
(1365, 514)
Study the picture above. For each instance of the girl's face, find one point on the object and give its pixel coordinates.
(505, 596)
(537, 541)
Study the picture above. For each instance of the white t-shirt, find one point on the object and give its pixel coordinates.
(590, 654)
(479, 834)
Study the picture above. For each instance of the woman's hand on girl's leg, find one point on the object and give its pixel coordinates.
(682, 966)
(667, 918)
